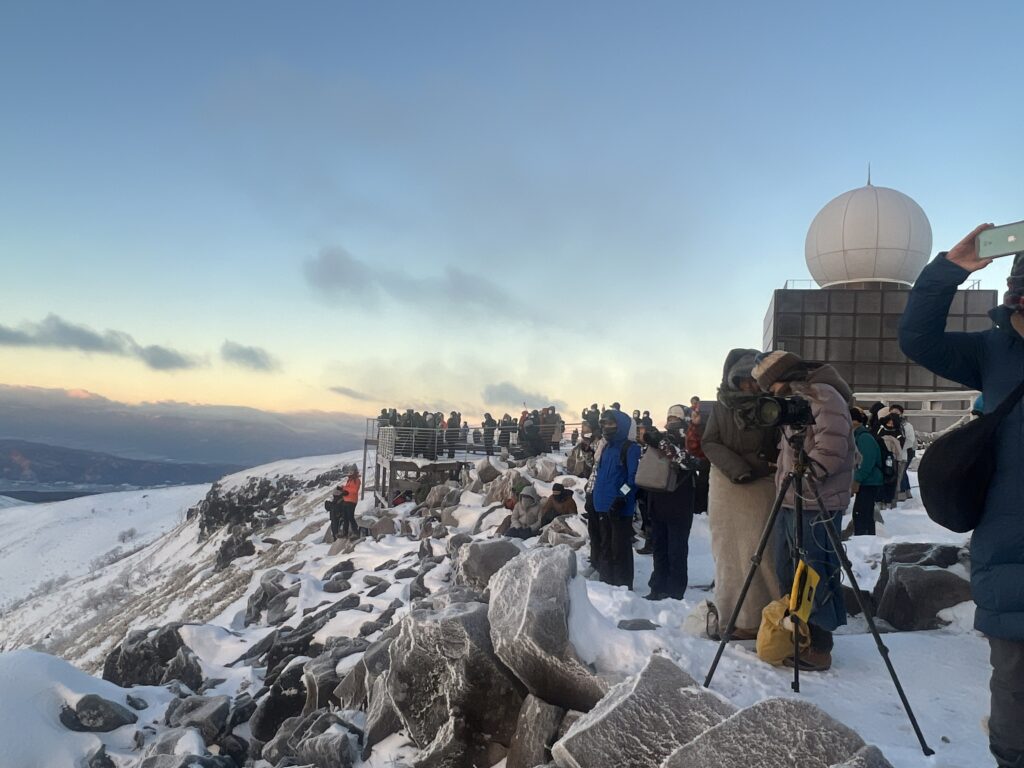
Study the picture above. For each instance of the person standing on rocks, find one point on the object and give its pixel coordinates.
(740, 497)
(349, 499)
(489, 426)
(611, 500)
(828, 443)
(990, 361)
(334, 510)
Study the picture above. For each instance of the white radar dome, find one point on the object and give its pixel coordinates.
(868, 234)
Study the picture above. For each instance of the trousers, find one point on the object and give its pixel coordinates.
(1006, 721)
(864, 510)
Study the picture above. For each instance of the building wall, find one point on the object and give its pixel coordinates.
(855, 330)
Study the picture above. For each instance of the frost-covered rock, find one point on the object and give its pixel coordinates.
(184, 667)
(208, 715)
(868, 757)
(543, 469)
(442, 664)
(915, 594)
(236, 545)
(446, 495)
(142, 657)
(320, 675)
(529, 616)
(642, 720)
(502, 488)
(331, 749)
(477, 561)
(94, 714)
(272, 583)
(486, 471)
(782, 733)
(914, 553)
(285, 699)
(536, 730)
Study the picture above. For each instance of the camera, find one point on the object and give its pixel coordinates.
(792, 411)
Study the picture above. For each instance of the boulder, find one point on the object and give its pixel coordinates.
(236, 545)
(242, 708)
(99, 759)
(662, 703)
(286, 698)
(456, 542)
(351, 691)
(271, 583)
(486, 471)
(915, 594)
(382, 718)
(867, 757)
(529, 617)
(501, 489)
(278, 608)
(136, 703)
(444, 495)
(536, 730)
(207, 714)
(911, 553)
(331, 749)
(381, 526)
(543, 469)
(477, 561)
(184, 667)
(334, 586)
(142, 657)
(320, 675)
(443, 663)
(94, 714)
(782, 733)
(453, 746)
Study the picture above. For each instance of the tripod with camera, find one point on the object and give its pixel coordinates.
(802, 476)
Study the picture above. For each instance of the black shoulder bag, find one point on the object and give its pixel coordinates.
(956, 470)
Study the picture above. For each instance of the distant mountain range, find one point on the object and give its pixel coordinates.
(27, 468)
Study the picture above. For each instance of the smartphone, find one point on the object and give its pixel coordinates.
(1001, 241)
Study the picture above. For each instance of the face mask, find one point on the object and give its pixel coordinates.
(675, 427)
(609, 432)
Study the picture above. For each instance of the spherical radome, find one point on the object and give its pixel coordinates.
(868, 234)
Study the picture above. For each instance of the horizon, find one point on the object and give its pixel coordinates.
(338, 209)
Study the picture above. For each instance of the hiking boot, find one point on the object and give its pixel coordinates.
(812, 660)
(647, 549)
(743, 633)
(652, 595)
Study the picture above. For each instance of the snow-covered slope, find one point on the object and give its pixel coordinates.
(7, 501)
(945, 672)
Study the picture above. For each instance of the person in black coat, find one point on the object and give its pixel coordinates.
(489, 426)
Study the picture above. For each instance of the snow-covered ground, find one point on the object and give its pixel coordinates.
(7, 501)
(944, 672)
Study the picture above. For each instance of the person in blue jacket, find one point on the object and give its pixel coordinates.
(991, 361)
(612, 501)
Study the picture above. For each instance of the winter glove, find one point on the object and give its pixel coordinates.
(617, 506)
(589, 504)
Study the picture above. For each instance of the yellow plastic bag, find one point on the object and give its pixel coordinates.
(775, 635)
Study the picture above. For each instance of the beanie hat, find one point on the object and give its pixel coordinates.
(773, 367)
(678, 411)
(557, 488)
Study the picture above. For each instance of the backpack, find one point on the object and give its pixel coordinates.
(956, 470)
(887, 463)
(656, 472)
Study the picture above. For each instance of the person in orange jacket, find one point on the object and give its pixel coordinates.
(349, 498)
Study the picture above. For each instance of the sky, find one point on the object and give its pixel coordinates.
(342, 206)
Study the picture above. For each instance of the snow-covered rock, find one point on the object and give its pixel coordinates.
(477, 561)
(536, 730)
(529, 616)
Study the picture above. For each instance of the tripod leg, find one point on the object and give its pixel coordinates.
(883, 651)
(798, 555)
(755, 563)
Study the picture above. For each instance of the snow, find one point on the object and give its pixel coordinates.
(945, 672)
(47, 541)
(7, 501)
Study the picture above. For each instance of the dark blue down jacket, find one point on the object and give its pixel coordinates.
(991, 361)
(613, 473)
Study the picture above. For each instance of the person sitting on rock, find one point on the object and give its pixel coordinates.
(526, 515)
(560, 502)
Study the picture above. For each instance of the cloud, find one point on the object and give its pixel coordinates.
(507, 393)
(352, 393)
(56, 333)
(253, 358)
(335, 272)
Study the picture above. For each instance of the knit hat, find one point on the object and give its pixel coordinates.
(773, 367)
(678, 411)
(557, 488)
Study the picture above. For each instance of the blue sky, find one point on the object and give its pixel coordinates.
(418, 203)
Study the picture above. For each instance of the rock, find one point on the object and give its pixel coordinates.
(915, 594)
(208, 715)
(385, 566)
(94, 714)
(782, 733)
(662, 703)
(99, 759)
(351, 691)
(341, 547)
(320, 675)
(136, 703)
(443, 663)
(909, 553)
(383, 526)
(278, 608)
(380, 589)
(867, 757)
(286, 698)
(242, 709)
(382, 718)
(331, 749)
(477, 561)
(543, 469)
(536, 730)
(850, 600)
(445, 495)
(177, 741)
(270, 585)
(335, 586)
(280, 747)
(529, 617)
(418, 589)
(456, 594)
(184, 667)
(236, 545)
(453, 746)
(406, 573)
(456, 542)
(142, 657)
(486, 471)
(635, 625)
(234, 747)
(345, 569)
(568, 722)
(501, 489)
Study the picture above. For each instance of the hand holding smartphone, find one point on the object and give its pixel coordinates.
(1006, 240)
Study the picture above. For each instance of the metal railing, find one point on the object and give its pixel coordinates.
(436, 444)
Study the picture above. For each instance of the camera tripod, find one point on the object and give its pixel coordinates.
(803, 472)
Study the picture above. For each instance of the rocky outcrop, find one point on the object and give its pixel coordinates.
(662, 704)
(529, 617)
(94, 714)
(257, 504)
(143, 656)
(285, 699)
(780, 732)
(236, 545)
(915, 594)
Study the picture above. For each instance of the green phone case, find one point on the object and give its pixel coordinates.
(1001, 241)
